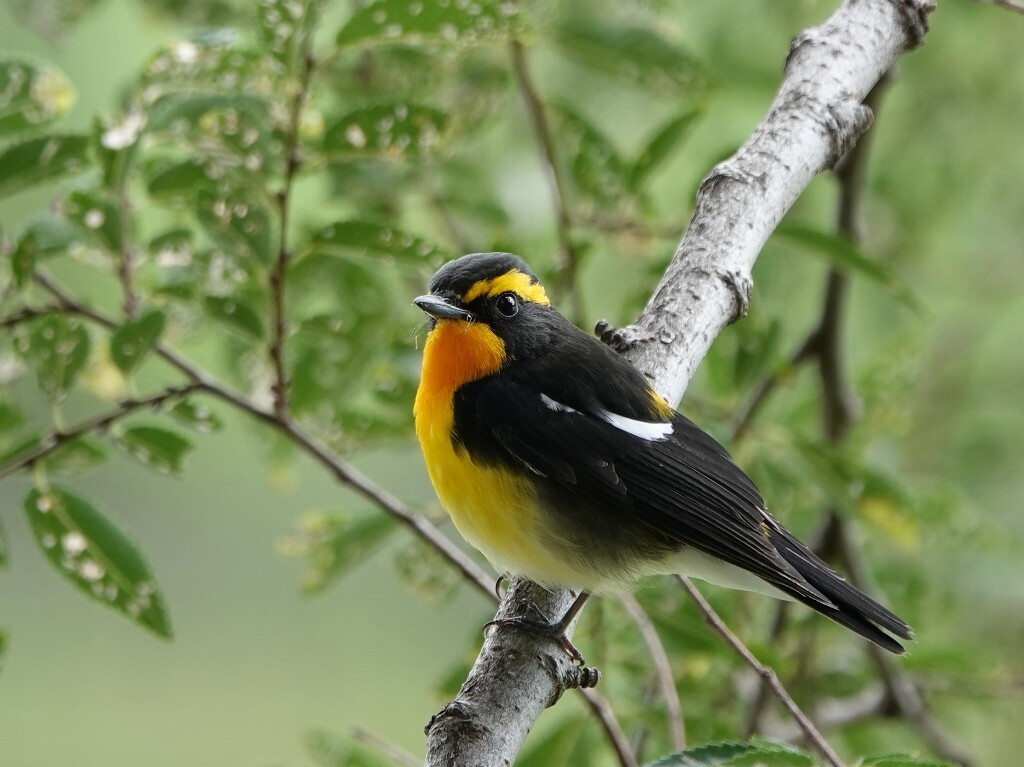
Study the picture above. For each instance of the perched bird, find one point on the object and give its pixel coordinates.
(557, 460)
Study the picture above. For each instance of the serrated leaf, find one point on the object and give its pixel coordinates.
(376, 239)
(238, 315)
(99, 215)
(660, 146)
(92, 553)
(174, 179)
(429, 21)
(155, 447)
(395, 130)
(197, 416)
(730, 754)
(75, 457)
(26, 163)
(131, 342)
(56, 348)
(845, 255)
(235, 220)
(706, 755)
(335, 543)
(597, 169)
(902, 760)
(636, 55)
(31, 95)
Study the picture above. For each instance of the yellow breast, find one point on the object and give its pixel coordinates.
(495, 510)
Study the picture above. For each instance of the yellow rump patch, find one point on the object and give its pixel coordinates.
(512, 281)
(661, 408)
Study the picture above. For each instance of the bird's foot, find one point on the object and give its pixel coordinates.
(554, 630)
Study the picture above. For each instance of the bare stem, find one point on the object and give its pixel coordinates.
(292, 162)
(662, 669)
(569, 255)
(763, 671)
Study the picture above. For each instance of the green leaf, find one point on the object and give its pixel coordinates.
(847, 256)
(41, 239)
(236, 221)
(636, 55)
(36, 160)
(176, 180)
(760, 753)
(31, 95)
(901, 760)
(10, 417)
(57, 348)
(377, 239)
(92, 553)
(233, 312)
(420, 21)
(210, 63)
(196, 416)
(76, 457)
(131, 342)
(335, 543)
(394, 130)
(661, 145)
(155, 447)
(597, 170)
(100, 216)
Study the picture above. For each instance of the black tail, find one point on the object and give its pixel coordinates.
(853, 608)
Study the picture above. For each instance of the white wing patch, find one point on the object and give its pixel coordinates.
(649, 430)
(555, 405)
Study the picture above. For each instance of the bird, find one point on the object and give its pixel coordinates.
(557, 460)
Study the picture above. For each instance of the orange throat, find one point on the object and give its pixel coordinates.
(456, 353)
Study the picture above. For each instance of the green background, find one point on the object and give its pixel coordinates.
(254, 665)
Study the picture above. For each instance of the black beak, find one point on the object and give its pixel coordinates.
(440, 309)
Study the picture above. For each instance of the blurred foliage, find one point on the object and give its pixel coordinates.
(336, 157)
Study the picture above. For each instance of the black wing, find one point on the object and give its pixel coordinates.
(683, 485)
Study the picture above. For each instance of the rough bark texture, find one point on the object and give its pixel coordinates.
(815, 119)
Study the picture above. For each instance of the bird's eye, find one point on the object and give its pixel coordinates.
(507, 305)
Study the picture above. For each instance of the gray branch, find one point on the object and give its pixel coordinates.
(815, 118)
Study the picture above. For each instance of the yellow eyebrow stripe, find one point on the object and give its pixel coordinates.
(513, 281)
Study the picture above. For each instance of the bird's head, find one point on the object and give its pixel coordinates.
(493, 299)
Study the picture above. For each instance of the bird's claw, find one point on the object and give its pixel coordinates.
(552, 630)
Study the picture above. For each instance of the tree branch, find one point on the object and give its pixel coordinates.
(815, 118)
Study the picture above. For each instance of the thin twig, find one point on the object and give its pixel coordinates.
(27, 313)
(292, 161)
(344, 472)
(763, 671)
(600, 707)
(57, 438)
(662, 669)
(569, 261)
(747, 413)
(385, 748)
